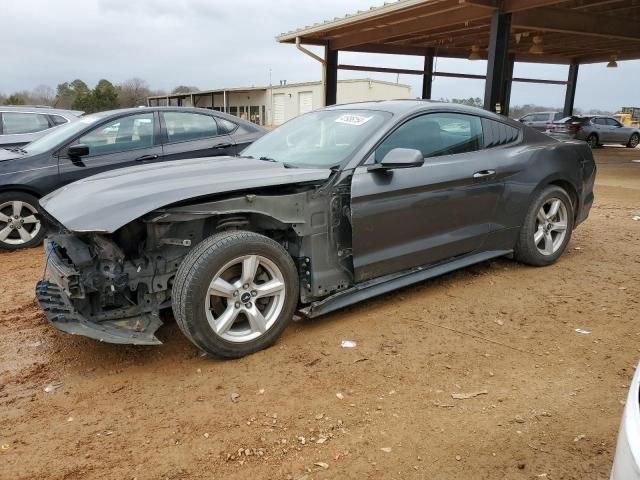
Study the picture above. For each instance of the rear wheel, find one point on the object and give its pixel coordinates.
(547, 228)
(20, 224)
(235, 293)
(592, 140)
(634, 141)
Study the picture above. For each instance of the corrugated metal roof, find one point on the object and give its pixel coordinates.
(387, 7)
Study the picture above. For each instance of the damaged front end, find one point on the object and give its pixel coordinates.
(90, 288)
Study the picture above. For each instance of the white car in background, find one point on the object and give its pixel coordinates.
(626, 463)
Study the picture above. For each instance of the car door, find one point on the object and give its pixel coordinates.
(423, 215)
(603, 130)
(618, 132)
(121, 142)
(193, 135)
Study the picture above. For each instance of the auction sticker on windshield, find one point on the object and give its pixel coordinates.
(356, 120)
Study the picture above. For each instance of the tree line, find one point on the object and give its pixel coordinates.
(77, 95)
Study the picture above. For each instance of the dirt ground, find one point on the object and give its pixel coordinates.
(550, 405)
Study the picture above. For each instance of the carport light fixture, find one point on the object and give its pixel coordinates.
(613, 62)
(475, 53)
(537, 47)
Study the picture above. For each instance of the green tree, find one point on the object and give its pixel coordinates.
(184, 89)
(15, 99)
(67, 93)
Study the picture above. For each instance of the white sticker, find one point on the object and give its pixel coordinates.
(356, 120)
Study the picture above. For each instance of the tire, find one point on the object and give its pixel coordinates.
(592, 140)
(20, 223)
(634, 141)
(238, 316)
(543, 239)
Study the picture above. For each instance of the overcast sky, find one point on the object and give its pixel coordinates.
(212, 44)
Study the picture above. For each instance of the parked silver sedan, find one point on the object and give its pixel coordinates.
(23, 124)
(626, 464)
(596, 131)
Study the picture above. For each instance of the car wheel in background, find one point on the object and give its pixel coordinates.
(235, 293)
(592, 140)
(20, 223)
(547, 228)
(634, 141)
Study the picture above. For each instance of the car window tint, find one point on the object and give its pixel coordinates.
(599, 121)
(58, 120)
(541, 117)
(182, 127)
(612, 122)
(435, 135)
(122, 134)
(17, 122)
(558, 116)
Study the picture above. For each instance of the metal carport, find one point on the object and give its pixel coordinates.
(571, 32)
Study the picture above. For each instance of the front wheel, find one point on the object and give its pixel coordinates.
(547, 228)
(20, 223)
(634, 141)
(235, 293)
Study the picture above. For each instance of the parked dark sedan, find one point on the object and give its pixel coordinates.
(333, 207)
(106, 141)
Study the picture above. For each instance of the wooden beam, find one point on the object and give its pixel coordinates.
(566, 21)
(512, 6)
(443, 18)
(489, 4)
(363, 68)
(388, 49)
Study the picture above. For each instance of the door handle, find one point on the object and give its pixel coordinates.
(223, 145)
(144, 158)
(484, 173)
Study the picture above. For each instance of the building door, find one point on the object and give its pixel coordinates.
(305, 102)
(278, 109)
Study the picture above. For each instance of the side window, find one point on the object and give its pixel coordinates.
(527, 118)
(436, 134)
(599, 121)
(613, 123)
(498, 133)
(182, 127)
(225, 126)
(540, 117)
(17, 122)
(58, 120)
(125, 133)
(558, 116)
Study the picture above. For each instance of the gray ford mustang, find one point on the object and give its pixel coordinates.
(335, 206)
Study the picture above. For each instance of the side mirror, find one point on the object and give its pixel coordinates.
(76, 151)
(399, 158)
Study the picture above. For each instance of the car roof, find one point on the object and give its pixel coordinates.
(40, 109)
(123, 111)
(403, 107)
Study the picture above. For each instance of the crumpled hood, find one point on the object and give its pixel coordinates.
(110, 200)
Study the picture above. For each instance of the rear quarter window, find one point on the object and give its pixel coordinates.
(498, 133)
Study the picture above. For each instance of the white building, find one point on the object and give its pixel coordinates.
(274, 105)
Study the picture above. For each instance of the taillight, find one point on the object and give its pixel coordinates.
(549, 126)
(574, 127)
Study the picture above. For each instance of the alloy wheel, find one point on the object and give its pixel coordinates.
(245, 298)
(19, 223)
(635, 140)
(551, 226)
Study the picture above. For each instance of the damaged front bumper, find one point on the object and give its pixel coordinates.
(63, 285)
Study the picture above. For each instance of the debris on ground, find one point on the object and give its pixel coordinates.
(465, 396)
(322, 465)
(235, 396)
(583, 331)
(340, 396)
(52, 387)
(348, 344)
(386, 449)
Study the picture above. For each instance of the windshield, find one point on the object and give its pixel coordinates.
(321, 139)
(59, 135)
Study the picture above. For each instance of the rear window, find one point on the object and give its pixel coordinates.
(58, 120)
